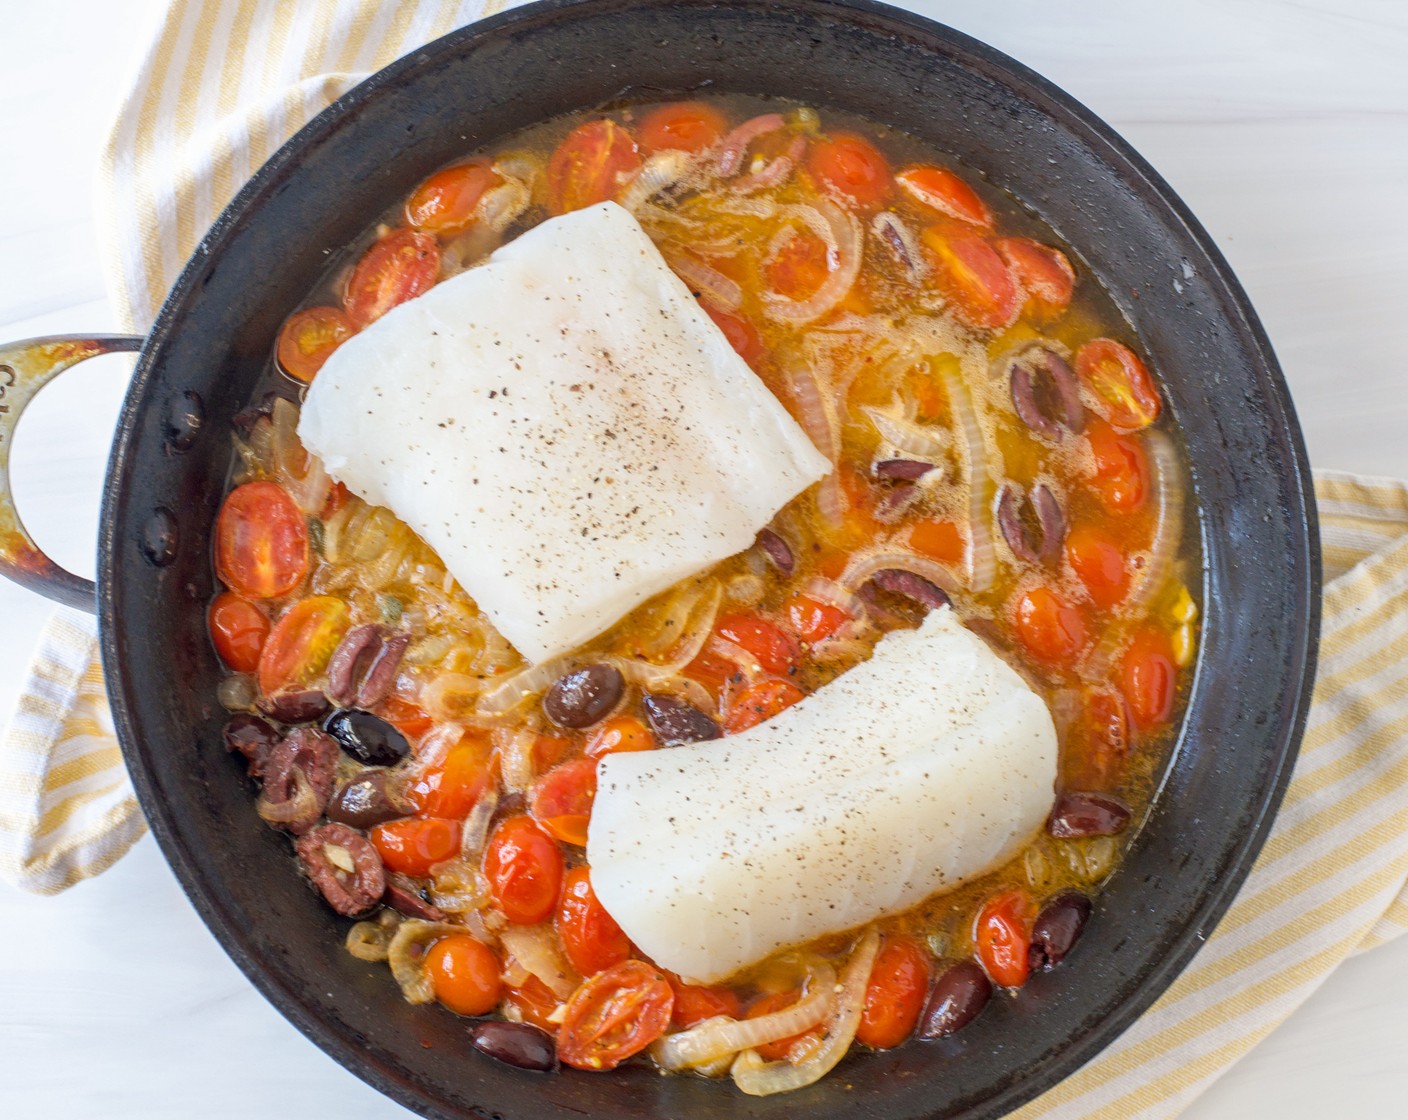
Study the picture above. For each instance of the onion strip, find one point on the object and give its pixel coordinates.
(535, 948)
(406, 956)
(845, 236)
(982, 564)
(907, 436)
(708, 281)
(864, 566)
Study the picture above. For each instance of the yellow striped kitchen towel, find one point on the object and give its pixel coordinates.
(227, 81)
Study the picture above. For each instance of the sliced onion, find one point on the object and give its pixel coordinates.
(371, 940)
(897, 238)
(721, 291)
(758, 1078)
(458, 887)
(735, 144)
(864, 566)
(831, 500)
(663, 169)
(301, 805)
(515, 748)
(476, 827)
(720, 1036)
(535, 948)
(435, 744)
(829, 591)
(846, 237)
(500, 207)
(906, 435)
(773, 173)
(237, 693)
(406, 956)
(816, 408)
(451, 696)
(982, 563)
(505, 695)
(730, 651)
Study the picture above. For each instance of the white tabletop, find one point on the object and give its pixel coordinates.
(1283, 124)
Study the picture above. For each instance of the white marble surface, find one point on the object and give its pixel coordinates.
(1283, 124)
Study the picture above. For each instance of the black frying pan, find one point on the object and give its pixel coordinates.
(214, 337)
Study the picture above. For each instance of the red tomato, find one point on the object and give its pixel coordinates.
(769, 644)
(590, 936)
(1051, 629)
(618, 735)
(1042, 272)
(1094, 753)
(685, 126)
(452, 788)
(590, 166)
(561, 800)
(1099, 563)
(524, 868)
(615, 1015)
(401, 266)
(409, 719)
(239, 629)
(261, 541)
(1121, 468)
(413, 847)
(973, 276)
(852, 167)
(301, 642)
(535, 1003)
(336, 499)
(929, 400)
(812, 619)
(895, 995)
(939, 540)
(940, 189)
(309, 337)
(780, 1001)
(740, 333)
(712, 672)
(1124, 391)
(548, 751)
(1002, 933)
(448, 202)
(758, 703)
(465, 974)
(1150, 677)
(694, 1004)
(800, 266)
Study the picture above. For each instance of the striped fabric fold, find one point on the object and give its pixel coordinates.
(225, 83)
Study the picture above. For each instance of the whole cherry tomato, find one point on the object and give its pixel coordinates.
(453, 787)
(800, 266)
(1124, 391)
(1043, 273)
(239, 629)
(400, 266)
(448, 202)
(684, 126)
(1150, 677)
(1002, 933)
(971, 274)
(594, 161)
(760, 702)
(524, 867)
(1096, 748)
(413, 847)
(895, 994)
(619, 735)
(465, 974)
(409, 719)
(741, 334)
(695, 1003)
(1099, 563)
(812, 619)
(561, 800)
(615, 1015)
(1051, 629)
(851, 167)
(590, 936)
(308, 338)
(302, 641)
(940, 189)
(771, 646)
(1121, 468)
(261, 541)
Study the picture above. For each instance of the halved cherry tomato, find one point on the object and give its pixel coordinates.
(1051, 629)
(549, 750)
(261, 541)
(448, 202)
(1094, 753)
(812, 619)
(1150, 677)
(590, 936)
(940, 189)
(800, 265)
(239, 630)
(685, 126)
(972, 275)
(779, 1001)
(895, 995)
(401, 266)
(409, 719)
(1124, 391)
(1121, 468)
(1002, 934)
(465, 974)
(594, 161)
(452, 788)
(524, 868)
(939, 540)
(694, 1003)
(301, 642)
(852, 167)
(535, 1003)
(619, 735)
(1099, 563)
(772, 647)
(746, 341)
(308, 338)
(561, 800)
(760, 702)
(615, 1015)
(1042, 272)
(713, 672)
(413, 847)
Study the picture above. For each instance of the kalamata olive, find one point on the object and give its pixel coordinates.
(350, 660)
(1050, 519)
(583, 696)
(367, 800)
(380, 677)
(777, 550)
(1035, 538)
(366, 737)
(913, 587)
(675, 722)
(904, 470)
(1045, 393)
(1057, 929)
(961, 991)
(344, 867)
(252, 737)
(1076, 815)
(298, 778)
(517, 1044)
(403, 896)
(302, 706)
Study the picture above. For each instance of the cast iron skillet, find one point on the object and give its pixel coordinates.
(214, 336)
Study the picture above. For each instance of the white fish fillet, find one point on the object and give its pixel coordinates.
(564, 425)
(920, 769)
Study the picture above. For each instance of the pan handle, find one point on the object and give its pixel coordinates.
(25, 368)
